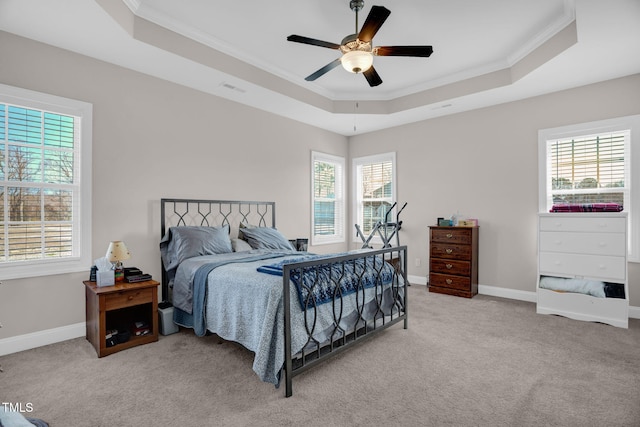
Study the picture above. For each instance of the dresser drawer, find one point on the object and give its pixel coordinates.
(443, 250)
(460, 235)
(558, 222)
(576, 265)
(584, 243)
(459, 268)
(447, 281)
(128, 298)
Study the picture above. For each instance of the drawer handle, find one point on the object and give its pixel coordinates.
(449, 281)
(449, 235)
(449, 265)
(448, 250)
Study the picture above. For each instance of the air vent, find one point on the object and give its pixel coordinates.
(232, 87)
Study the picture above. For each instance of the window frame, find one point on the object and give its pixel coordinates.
(632, 151)
(357, 208)
(340, 200)
(82, 259)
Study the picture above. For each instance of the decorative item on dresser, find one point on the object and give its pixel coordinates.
(582, 267)
(453, 260)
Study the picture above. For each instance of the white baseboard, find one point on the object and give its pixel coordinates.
(63, 333)
(417, 280)
(634, 312)
(507, 293)
(40, 338)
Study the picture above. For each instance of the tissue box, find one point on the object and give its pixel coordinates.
(105, 278)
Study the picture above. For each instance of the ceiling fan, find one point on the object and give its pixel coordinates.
(357, 53)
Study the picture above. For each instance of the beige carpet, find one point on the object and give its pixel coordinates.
(480, 362)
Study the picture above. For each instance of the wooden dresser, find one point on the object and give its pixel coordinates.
(453, 260)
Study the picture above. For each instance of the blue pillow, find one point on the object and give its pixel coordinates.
(266, 238)
(181, 243)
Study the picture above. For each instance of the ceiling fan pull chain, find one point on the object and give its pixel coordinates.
(355, 116)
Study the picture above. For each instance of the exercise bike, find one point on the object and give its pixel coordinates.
(386, 230)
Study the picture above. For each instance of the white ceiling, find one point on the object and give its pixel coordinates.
(485, 52)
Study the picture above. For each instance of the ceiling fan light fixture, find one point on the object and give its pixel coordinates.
(357, 61)
(357, 52)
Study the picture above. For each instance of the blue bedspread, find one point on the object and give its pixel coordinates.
(192, 312)
(318, 284)
(233, 300)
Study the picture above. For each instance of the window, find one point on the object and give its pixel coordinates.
(589, 169)
(593, 163)
(328, 202)
(374, 179)
(45, 184)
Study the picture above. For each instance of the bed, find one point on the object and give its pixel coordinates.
(228, 270)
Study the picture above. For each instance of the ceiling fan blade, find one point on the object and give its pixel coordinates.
(422, 51)
(374, 21)
(314, 42)
(330, 66)
(372, 77)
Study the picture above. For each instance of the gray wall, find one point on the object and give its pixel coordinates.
(154, 139)
(484, 164)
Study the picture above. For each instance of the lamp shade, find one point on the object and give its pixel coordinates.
(357, 61)
(117, 251)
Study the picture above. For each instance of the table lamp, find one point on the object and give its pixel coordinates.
(116, 253)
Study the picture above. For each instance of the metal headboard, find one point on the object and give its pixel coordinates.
(210, 213)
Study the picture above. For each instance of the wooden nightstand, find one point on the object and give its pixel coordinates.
(118, 307)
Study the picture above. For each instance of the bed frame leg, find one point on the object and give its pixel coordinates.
(289, 390)
(288, 363)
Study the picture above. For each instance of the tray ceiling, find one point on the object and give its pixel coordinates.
(485, 53)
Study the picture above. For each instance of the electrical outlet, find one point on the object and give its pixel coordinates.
(417, 262)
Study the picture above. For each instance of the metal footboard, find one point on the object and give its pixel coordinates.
(386, 305)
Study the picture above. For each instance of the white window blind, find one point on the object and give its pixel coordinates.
(595, 162)
(374, 190)
(589, 169)
(328, 203)
(42, 189)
